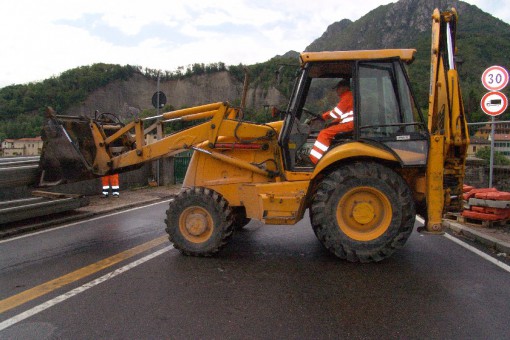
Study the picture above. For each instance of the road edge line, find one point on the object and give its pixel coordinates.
(50, 303)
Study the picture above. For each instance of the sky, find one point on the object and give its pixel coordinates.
(43, 38)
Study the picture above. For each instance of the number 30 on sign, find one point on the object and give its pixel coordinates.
(495, 78)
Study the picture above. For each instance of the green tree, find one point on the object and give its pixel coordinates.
(485, 154)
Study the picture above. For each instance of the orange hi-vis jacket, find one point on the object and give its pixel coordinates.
(343, 121)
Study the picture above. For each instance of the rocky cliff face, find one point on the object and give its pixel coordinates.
(396, 25)
(127, 98)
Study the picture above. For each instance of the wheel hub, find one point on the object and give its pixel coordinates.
(196, 224)
(363, 212)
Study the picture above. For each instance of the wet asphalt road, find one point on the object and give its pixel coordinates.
(269, 282)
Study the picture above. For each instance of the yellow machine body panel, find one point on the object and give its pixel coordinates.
(275, 203)
(352, 150)
(206, 171)
(406, 55)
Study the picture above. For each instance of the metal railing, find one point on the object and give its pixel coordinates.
(23, 171)
(18, 171)
(489, 155)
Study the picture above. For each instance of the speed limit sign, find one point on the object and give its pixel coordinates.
(495, 78)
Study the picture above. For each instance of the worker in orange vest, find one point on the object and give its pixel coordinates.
(110, 182)
(341, 120)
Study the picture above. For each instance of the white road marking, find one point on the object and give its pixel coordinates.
(489, 258)
(78, 222)
(480, 253)
(50, 303)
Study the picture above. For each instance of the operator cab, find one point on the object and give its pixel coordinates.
(385, 112)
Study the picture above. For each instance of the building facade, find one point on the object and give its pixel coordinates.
(502, 128)
(22, 147)
(482, 138)
(476, 144)
(502, 144)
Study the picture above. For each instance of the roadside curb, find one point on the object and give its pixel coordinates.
(486, 240)
(80, 217)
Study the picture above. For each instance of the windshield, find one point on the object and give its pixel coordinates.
(317, 85)
(388, 113)
(386, 104)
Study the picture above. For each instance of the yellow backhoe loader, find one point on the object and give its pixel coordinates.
(362, 196)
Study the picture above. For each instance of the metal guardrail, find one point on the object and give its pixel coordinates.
(24, 171)
(18, 176)
(18, 171)
(493, 171)
(19, 159)
(49, 203)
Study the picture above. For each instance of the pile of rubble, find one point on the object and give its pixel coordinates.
(486, 204)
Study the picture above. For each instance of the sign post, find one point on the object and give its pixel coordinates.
(494, 103)
(158, 101)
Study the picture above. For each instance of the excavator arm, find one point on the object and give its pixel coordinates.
(78, 148)
(449, 137)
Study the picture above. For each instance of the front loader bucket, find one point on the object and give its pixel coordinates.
(68, 150)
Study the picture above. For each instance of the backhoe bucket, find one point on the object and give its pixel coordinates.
(68, 150)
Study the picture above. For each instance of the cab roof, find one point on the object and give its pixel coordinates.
(406, 55)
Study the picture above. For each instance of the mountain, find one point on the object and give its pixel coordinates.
(482, 41)
(405, 23)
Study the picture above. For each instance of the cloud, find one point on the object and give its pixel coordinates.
(41, 39)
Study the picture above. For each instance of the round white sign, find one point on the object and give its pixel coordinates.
(494, 103)
(495, 78)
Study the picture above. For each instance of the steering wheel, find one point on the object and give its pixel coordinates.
(313, 114)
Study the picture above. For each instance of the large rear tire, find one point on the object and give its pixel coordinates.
(363, 212)
(199, 222)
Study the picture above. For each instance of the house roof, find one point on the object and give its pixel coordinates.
(501, 136)
(33, 139)
(478, 140)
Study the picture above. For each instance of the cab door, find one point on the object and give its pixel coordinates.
(387, 113)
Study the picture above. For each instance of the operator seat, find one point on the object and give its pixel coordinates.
(342, 137)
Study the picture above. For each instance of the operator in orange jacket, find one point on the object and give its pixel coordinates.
(342, 120)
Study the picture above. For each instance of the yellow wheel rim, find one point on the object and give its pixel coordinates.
(364, 213)
(196, 224)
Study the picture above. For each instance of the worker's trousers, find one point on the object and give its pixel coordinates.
(325, 137)
(110, 182)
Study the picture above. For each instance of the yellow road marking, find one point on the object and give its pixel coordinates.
(52, 285)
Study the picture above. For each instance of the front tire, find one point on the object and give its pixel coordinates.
(363, 212)
(199, 222)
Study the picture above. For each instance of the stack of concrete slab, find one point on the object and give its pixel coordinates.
(42, 203)
(18, 171)
(486, 204)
